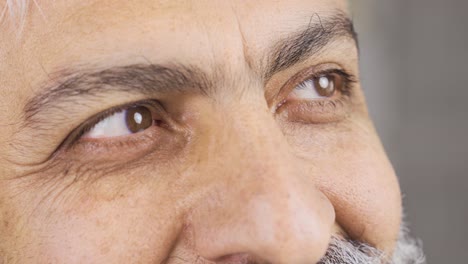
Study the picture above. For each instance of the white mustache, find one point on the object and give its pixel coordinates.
(408, 251)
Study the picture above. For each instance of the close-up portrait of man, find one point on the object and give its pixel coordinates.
(196, 131)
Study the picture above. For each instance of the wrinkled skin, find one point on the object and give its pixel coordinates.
(233, 174)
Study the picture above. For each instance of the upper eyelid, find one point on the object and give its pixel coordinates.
(348, 76)
(91, 122)
(84, 127)
(320, 110)
(309, 73)
(74, 83)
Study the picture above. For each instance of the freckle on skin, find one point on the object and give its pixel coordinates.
(99, 223)
(104, 249)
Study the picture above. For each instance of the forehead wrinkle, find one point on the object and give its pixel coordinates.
(247, 57)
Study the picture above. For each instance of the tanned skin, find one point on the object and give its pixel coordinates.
(236, 166)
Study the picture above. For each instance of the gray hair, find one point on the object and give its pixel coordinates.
(14, 12)
(408, 251)
(15, 9)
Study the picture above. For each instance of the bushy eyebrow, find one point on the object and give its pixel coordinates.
(75, 85)
(302, 44)
(69, 86)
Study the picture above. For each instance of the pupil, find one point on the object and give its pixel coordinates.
(138, 118)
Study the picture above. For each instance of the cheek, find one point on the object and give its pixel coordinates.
(352, 170)
(126, 228)
(365, 193)
(108, 219)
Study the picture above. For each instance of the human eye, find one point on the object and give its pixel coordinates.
(318, 95)
(133, 128)
(130, 120)
(322, 85)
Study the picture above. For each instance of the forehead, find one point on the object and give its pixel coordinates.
(111, 30)
(206, 33)
(111, 13)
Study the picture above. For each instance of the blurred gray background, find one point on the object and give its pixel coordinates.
(414, 67)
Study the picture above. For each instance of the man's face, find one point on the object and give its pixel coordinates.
(185, 131)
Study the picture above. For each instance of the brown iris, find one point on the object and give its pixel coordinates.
(138, 118)
(326, 85)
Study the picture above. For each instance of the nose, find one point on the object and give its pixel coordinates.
(263, 205)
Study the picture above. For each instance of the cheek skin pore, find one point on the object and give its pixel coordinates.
(116, 218)
(356, 176)
(89, 222)
(139, 213)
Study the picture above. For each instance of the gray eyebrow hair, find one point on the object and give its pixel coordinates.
(149, 79)
(317, 35)
(142, 78)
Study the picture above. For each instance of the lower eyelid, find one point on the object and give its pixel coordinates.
(316, 111)
(131, 145)
(157, 145)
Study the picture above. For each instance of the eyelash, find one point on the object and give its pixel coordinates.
(78, 132)
(348, 80)
(316, 111)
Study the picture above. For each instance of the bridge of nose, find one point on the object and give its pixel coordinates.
(259, 203)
